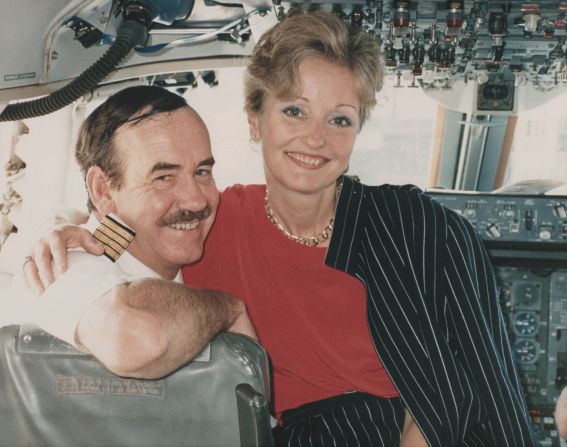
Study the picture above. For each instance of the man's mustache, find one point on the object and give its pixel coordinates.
(184, 216)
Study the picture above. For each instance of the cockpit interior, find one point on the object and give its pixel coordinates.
(473, 111)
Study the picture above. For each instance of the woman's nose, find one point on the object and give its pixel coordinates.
(315, 135)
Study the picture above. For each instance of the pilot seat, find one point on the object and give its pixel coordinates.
(53, 395)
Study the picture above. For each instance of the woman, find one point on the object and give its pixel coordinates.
(374, 303)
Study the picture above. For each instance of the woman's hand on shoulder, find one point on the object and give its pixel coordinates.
(49, 254)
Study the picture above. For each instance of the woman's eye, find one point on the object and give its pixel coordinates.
(342, 121)
(292, 112)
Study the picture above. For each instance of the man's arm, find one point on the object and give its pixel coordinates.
(149, 328)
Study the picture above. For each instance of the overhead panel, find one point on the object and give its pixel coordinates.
(471, 56)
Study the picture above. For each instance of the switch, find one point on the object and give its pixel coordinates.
(529, 220)
(493, 230)
(560, 211)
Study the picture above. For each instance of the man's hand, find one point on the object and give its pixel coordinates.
(243, 325)
(561, 413)
(49, 258)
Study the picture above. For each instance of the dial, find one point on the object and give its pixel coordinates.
(527, 294)
(525, 351)
(525, 323)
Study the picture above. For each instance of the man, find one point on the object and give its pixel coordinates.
(147, 162)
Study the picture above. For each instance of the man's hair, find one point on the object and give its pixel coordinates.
(275, 60)
(131, 106)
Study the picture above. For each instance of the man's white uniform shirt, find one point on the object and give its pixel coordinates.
(59, 309)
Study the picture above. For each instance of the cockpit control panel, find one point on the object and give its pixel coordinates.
(526, 237)
(494, 47)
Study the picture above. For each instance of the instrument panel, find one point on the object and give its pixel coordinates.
(535, 221)
(441, 46)
(526, 237)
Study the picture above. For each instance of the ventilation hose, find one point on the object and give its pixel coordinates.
(130, 33)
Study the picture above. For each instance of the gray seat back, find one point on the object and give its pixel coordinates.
(52, 394)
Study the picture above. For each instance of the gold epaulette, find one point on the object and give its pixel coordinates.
(114, 235)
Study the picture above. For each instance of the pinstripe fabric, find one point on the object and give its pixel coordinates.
(354, 419)
(433, 314)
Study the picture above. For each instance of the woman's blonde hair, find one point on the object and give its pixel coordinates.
(302, 34)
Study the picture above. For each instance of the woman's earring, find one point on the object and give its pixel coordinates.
(255, 143)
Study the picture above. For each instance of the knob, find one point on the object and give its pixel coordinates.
(470, 213)
(544, 234)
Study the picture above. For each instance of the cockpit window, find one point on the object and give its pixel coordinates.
(539, 148)
(396, 144)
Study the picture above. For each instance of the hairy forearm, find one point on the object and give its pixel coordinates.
(149, 328)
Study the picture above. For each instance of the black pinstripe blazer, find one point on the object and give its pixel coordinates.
(433, 313)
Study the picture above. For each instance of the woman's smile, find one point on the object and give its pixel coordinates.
(307, 161)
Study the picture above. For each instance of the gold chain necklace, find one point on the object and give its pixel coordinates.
(312, 241)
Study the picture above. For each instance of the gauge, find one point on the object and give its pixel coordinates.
(525, 351)
(525, 323)
(527, 294)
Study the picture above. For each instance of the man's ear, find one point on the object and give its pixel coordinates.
(98, 185)
(254, 127)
